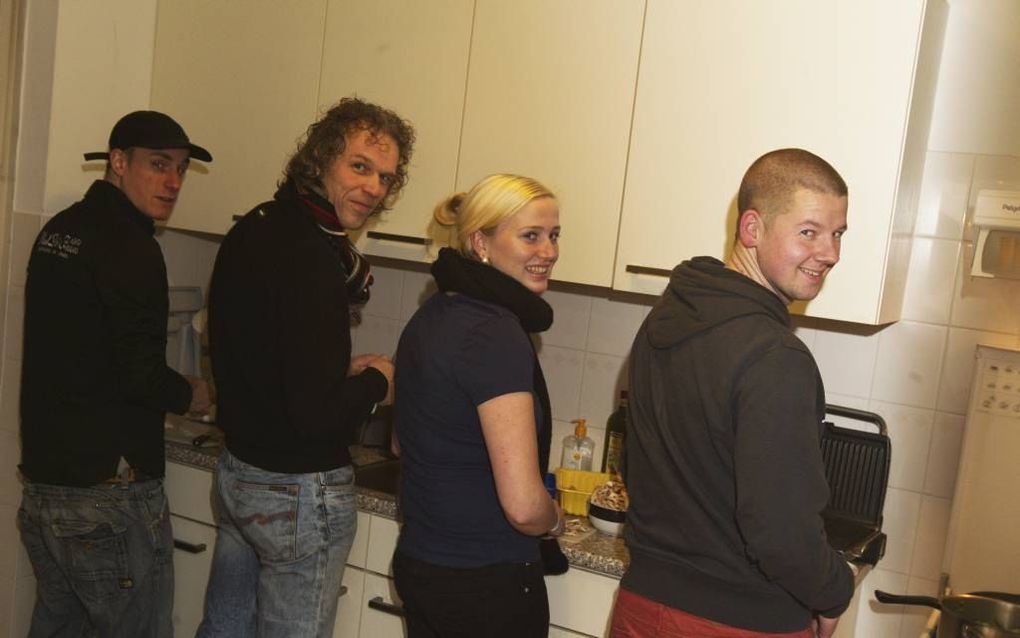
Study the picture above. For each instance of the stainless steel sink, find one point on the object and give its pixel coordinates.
(383, 476)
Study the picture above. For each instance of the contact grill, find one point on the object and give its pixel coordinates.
(857, 471)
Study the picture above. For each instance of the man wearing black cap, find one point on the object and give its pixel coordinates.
(95, 389)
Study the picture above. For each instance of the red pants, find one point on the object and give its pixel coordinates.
(638, 617)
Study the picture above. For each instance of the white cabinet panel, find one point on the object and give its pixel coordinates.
(723, 82)
(359, 550)
(242, 79)
(581, 601)
(191, 573)
(382, 540)
(411, 57)
(375, 622)
(348, 612)
(189, 492)
(549, 95)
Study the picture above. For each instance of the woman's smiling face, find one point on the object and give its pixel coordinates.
(525, 246)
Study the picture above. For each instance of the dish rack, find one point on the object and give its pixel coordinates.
(575, 487)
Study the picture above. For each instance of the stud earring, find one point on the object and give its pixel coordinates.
(485, 260)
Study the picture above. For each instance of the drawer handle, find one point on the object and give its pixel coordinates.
(406, 239)
(191, 548)
(646, 270)
(379, 604)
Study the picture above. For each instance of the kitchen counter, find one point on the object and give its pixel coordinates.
(584, 547)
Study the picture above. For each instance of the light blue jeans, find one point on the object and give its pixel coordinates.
(103, 559)
(282, 543)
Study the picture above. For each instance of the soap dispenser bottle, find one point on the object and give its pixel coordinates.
(578, 448)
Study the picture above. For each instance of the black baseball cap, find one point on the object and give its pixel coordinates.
(149, 129)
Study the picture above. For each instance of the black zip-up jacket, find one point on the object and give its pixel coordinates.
(95, 383)
(724, 468)
(280, 340)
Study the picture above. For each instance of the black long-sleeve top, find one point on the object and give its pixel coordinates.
(95, 383)
(279, 328)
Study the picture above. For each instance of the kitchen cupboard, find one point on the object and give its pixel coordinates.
(242, 79)
(723, 82)
(549, 95)
(189, 492)
(411, 57)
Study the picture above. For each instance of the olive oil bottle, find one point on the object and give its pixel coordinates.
(616, 435)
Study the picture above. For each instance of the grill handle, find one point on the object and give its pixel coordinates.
(858, 415)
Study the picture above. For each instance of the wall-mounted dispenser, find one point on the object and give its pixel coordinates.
(997, 218)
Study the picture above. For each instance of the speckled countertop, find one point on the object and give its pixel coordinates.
(584, 547)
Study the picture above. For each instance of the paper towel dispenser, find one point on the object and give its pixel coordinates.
(997, 219)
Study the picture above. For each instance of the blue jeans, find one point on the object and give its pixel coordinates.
(103, 559)
(282, 543)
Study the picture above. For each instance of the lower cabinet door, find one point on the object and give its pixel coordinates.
(581, 601)
(381, 609)
(348, 611)
(193, 550)
(560, 632)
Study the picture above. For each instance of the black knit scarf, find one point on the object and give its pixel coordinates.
(455, 273)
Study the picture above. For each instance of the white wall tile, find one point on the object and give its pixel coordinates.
(24, 229)
(563, 369)
(604, 376)
(958, 365)
(981, 303)
(900, 517)
(10, 395)
(915, 617)
(613, 326)
(930, 546)
(909, 359)
(387, 293)
(945, 188)
(846, 401)
(571, 313)
(846, 360)
(910, 431)
(874, 619)
(944, 455)
(929, 293)
(806, 329)
(14, 322)
(418, 286)
(377, 336)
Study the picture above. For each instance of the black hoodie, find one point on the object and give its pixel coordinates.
(723, 462)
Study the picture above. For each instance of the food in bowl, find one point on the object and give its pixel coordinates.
(611, 495)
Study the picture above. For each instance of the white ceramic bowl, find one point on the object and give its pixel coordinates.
(605, 520)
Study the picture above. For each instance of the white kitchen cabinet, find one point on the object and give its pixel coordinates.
(193, 550)
(723, 82)
(242, 79)
(380, 615)
(581, 601)
(549, 95)
(348, 611)
(411, 57)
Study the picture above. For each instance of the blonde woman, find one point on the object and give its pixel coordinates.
(471, 410)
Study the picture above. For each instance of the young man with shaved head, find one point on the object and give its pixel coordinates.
(724, 467)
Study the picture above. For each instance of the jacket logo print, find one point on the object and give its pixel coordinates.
(59, 244)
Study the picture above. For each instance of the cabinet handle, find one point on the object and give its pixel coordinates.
(191, 548)
(406, 239)
(379, 604)
(646, 270)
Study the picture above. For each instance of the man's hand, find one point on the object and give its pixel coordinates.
(201, 401)
(360, 362)
(824, 627)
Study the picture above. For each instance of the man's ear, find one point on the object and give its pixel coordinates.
(118, 161)
(751, 228)
(479, 244)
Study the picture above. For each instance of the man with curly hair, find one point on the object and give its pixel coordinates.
(286, 282)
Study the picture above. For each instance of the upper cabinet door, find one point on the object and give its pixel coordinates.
(549, 95)
(723, 82)
(411, 57)
(241, 78)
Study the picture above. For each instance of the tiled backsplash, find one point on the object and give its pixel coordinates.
(915, 373)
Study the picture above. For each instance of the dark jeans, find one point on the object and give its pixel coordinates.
(103, 559)
(485, 602)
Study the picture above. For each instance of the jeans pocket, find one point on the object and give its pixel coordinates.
(96, 557)
(266, 515)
